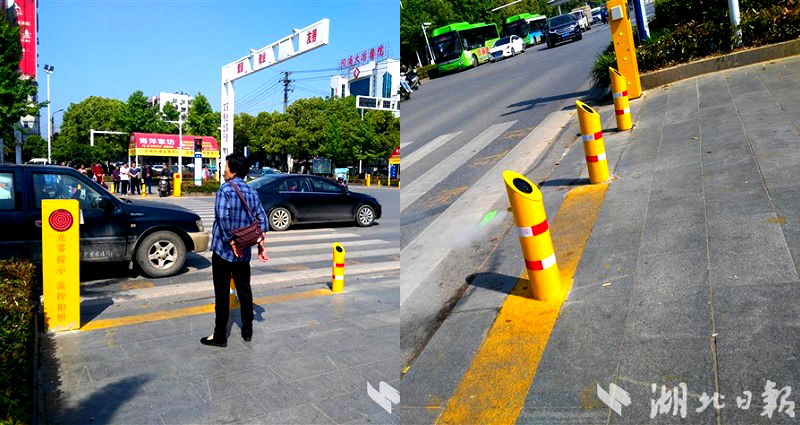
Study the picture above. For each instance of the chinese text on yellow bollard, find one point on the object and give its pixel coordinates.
(61, 264)
(622, 36)
(593, 146)
(176, 184)
(622, 108)
(534, 237)
(337, 278)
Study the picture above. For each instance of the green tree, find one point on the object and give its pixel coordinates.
(14, 91)
(201, 119)
(34, 147)
(170, 113)
(140, 115)
(97, 113)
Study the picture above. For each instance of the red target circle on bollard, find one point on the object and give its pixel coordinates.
(60, 220)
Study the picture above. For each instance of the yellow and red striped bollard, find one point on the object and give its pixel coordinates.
(593, 146)
(337, 277)
(622, 108)
(534, 237)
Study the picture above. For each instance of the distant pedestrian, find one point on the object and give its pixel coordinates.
(125, 178)
(116, 179)
(147, 174)
(99, 173)
(231, 213)
(136, 180)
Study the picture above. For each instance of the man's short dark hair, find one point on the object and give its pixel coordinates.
(238, 164)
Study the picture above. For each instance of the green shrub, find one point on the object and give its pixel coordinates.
(600, 76)
(772, 24)
(208, 186)
(17, 307)
(427, 71)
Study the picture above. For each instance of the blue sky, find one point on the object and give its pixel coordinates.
(111, 48)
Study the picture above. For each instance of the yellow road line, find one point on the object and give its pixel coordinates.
(494, 388)
(193, 311)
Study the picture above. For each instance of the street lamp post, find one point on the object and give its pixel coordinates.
(425, 25)
(48, 69)
(179, 123)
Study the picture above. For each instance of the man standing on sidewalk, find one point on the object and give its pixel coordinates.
(125, 178)
(231, 213)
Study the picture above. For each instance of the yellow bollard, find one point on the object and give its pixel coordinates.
(112, 188)
(176, 184)
(233, 300)
(593, 146)
(143, 189)
(624, 48)
(379, 181)
(622, 108)
(337, 277)
(534, 237)
(368, 179)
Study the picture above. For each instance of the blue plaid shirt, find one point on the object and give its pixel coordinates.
(230, 213)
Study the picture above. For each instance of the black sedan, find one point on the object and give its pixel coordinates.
(300, 198)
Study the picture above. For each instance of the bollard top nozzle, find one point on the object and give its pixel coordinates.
(585, 109)
(614, 71)
(338, 247)
(520, 184)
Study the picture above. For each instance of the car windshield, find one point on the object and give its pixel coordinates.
(502, 41)
(560, 20)
(446, 47)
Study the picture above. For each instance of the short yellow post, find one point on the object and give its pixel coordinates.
(176, 184)
(233, 301)
(593, 146)
(143, 189)
(534, 237)
(625, 50)
(379, 181)
(112, 188)
(61, 264)
(337, 277)
(622, 108)
(368, 176)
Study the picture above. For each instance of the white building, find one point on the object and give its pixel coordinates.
(377, 78)
(181, 101)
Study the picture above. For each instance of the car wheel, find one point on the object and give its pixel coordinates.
(474, 61)
(365, 216)
(580, 37)
(280, 219)
(161, 254)
(513, 53)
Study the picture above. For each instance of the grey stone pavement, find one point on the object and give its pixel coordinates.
(309, 362)
(699, 239)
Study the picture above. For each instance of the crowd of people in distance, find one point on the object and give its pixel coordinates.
(128, 179)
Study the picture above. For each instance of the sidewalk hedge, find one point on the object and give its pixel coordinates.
(17, 309)
(684, 31)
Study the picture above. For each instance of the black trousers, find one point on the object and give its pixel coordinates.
(125, 186)
(222, 270)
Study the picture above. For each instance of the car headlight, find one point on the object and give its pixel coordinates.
(199, 224)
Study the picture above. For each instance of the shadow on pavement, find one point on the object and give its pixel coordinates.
(565, 182)
(58, 401)
(527, 105)
(493, 281)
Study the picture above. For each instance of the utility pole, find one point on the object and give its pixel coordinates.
(286, 89)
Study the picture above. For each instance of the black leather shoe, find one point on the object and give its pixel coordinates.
(209, 340)
(247, 335)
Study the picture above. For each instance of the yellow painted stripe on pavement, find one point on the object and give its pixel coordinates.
(193, 311)
(494, 388)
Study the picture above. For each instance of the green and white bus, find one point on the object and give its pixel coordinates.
(529, 27)
(462, 45)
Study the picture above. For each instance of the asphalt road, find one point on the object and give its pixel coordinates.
(453, 132)
(301, 253)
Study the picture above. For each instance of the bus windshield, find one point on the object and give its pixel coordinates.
(476, 37)
(446, 47)
(537, 25)
(516, 28)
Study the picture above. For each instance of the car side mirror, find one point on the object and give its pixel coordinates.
(106, 204)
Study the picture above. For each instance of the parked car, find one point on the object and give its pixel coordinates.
(597, 15)
(561, 28)
(506, 47)
(583, 16)
(154, 236)
(301, 198)
(255, 173)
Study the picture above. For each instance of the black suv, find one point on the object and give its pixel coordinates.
(155, 236)
(561, 28)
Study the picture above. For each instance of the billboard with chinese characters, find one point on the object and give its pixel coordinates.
(380, 103)
(25, 14)
(363, 57)
(151, 144)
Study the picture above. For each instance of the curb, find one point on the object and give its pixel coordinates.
(719, 63)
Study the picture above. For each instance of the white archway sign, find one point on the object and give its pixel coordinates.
(299, 42)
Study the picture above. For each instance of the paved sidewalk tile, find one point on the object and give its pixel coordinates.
(309, 362)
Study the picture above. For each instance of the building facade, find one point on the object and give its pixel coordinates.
(375, 78)
(181, 102)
